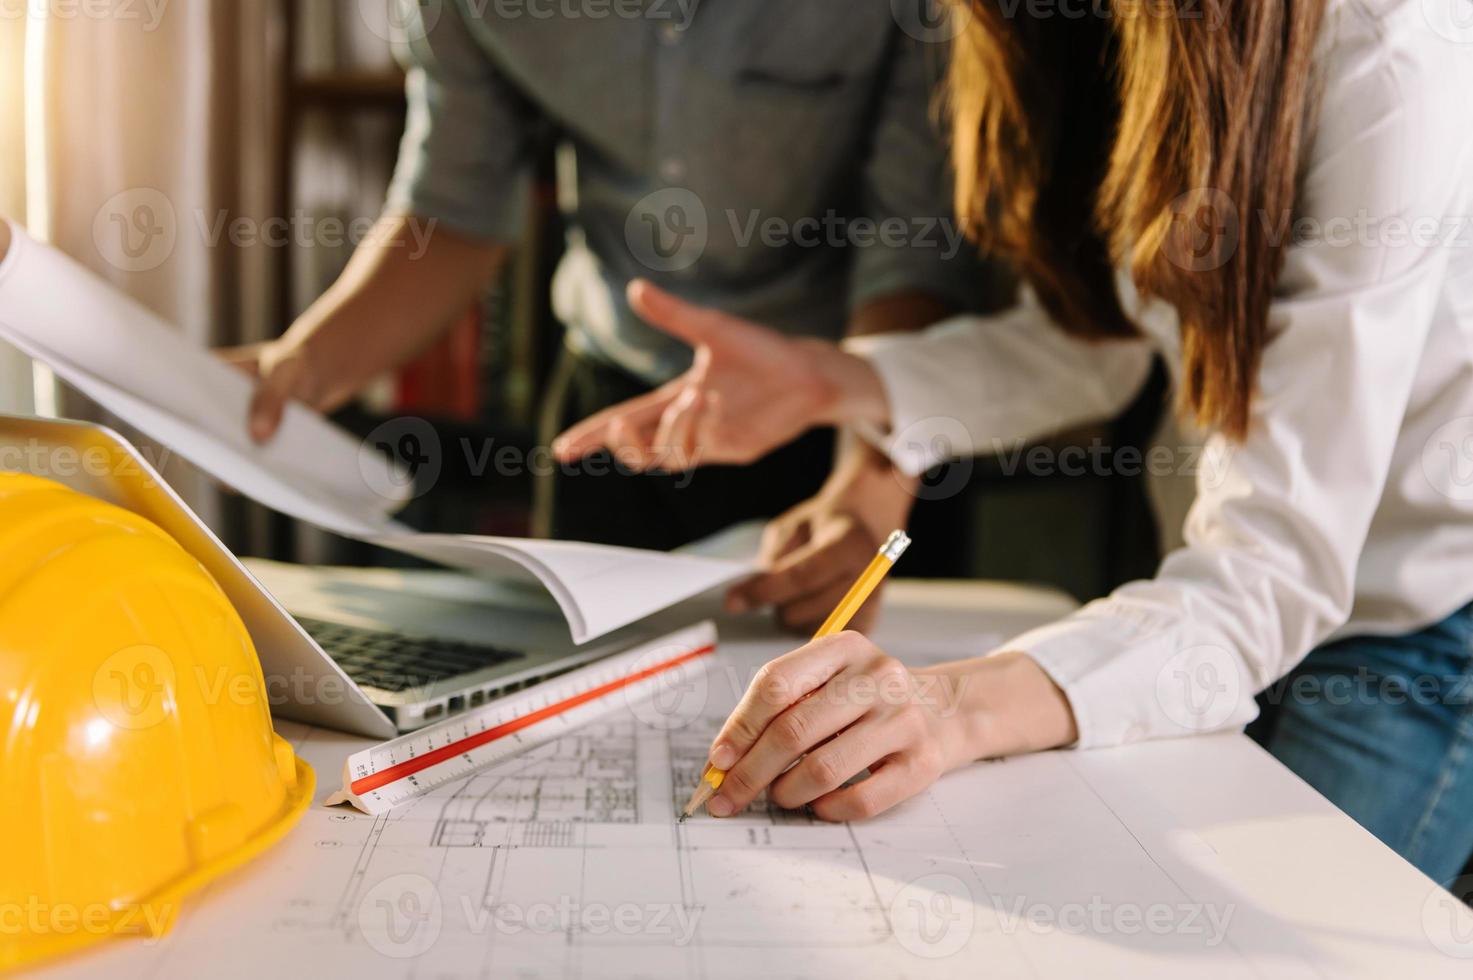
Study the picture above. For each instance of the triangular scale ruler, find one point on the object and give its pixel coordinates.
(380, 778)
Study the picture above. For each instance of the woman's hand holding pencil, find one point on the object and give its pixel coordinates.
(817, 717)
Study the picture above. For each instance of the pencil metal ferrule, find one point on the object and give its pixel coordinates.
(895, 545)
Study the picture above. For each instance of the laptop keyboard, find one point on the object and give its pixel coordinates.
(397, 661)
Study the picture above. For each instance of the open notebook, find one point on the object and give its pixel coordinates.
(133, 364)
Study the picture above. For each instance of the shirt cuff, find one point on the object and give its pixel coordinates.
(1128, 681)
(499, 217)
(473, 179)
(917, 388)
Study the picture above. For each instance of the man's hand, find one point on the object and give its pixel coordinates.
(283, 372)
(404, 286)
(749, 391)
(814, 552)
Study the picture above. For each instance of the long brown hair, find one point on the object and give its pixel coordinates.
(1118, 138)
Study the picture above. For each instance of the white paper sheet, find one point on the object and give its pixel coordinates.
(130, 362)
(567, 861)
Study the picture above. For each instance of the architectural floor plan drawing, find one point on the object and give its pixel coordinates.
(539, 851)
(567, 861)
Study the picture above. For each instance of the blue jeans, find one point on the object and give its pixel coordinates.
(1383, 727)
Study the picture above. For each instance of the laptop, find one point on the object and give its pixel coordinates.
(371, 652)
(425, 645)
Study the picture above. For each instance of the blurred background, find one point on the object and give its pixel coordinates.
(213, 158)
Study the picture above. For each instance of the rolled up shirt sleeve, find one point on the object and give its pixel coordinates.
(979, 385)
(465, 159)
(1276, 535)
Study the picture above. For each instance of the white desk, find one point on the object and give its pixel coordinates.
(1299, 889)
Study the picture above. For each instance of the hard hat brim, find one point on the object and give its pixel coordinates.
(154, 916)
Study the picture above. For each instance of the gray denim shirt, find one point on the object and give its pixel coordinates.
(777, 159)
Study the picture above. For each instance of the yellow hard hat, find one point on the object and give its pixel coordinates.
(138, 760)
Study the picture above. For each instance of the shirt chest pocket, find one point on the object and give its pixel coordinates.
(815, 47)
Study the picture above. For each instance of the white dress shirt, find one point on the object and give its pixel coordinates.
(1349, 507)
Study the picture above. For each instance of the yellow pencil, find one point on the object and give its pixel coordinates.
(867, 582)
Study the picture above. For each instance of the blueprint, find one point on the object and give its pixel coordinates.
(567, 861)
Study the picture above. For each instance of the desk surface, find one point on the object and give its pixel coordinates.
(1228, 865)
